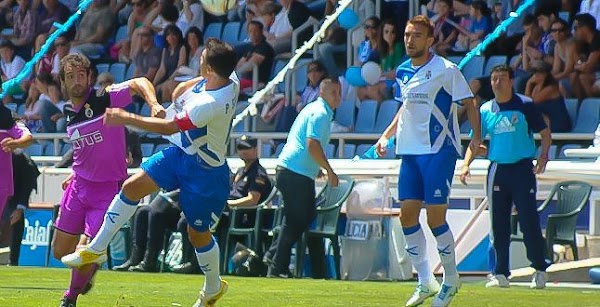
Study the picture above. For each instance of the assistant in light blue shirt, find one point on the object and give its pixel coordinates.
(313, 122)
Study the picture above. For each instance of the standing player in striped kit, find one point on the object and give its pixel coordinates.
(427, 133)
(196, 165)
(510, 120)
(99, 161)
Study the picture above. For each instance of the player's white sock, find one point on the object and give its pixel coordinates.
(119, 212)
(416, 247)
(445, 246)
(208, 259)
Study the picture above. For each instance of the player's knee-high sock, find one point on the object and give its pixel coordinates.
(445, 246)
(417, 252)
(79, 280)
(119, 212)
(208, 259)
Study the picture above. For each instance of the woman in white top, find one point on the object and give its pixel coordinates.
(565, 55)
(190, 15)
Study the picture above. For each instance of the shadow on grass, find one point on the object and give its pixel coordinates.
(30, 288)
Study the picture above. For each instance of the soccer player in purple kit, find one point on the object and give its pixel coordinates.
(13, 135)
(99, 161)
(199, 124)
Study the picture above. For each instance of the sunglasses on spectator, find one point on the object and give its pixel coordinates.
(557, 30)
(370, 27)
(60, 44)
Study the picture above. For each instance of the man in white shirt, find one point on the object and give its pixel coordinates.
(10, 66)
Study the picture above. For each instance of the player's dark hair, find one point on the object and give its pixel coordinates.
(504, 68)
(220, 57)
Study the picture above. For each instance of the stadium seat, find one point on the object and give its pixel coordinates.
(243, 33)
(266, 150)
(160, 147)
(330, 151)
(514, 59)
(231, 32)
(365, 120)
(385, 115)
(455, 59)
(474, 68)
(117, 70)
(572, 104)
(561, 155)
(492, 62)
(277, 66)
(344, 114)
(564, 15)
(349, 150)
(130, 71)
(465, 127)
(147, 149)
(35, 149)
(590, 116)
(102, 67)
(213, 30)
(145, 110)
(317, 7)
(278, 149)
(362, 148)
(121, 34)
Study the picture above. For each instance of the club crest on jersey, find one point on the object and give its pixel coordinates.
(88, 111)
(428, 74)
(198, 87)
(515, 118)
(405, 79)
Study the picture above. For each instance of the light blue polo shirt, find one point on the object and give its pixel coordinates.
(314, 122)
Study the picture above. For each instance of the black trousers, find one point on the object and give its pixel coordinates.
(508, 184)
(15, 243)
(298, 193)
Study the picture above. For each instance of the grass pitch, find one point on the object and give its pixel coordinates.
(32, 287)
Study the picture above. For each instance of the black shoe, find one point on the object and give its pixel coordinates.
(66, 302)
(186, 268)
(125, 266)
(143, 267)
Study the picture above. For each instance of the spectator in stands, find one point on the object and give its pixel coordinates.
(122, 9)
(191, 15)
(583, 78)
(10, 66)
(25, 174)
(591, 7)
(496, 14)
(193, 41)
(25, 28)
(151, 222)
(164, 14)
(130, 47)
(480, 25)
(445, 34)
(507, 43)
(546, 16)
(391, 49)
(62, 46)
(94, 29)
(261, 54)
(45, 63)
(251, 186)
(299, 164)
(147, 61)
(369, 48)
(334, 45)
(173, 56)
(543, 89)
(531, 44)
(49, 106)
(255, 9)
(565, 55)
(54, 11)
(281, 21)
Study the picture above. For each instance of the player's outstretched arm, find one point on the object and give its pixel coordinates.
(9, 144)
(475, 121)
(144, 88)
(184, 86)
(118, 117)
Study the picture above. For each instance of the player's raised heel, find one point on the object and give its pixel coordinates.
(83, 256)
(206, 300)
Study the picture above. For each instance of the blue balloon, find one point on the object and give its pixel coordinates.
(354, 77)
(348, 19)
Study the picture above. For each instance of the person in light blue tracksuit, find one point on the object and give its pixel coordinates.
(510, 120)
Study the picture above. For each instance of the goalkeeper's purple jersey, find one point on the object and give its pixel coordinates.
(99, 151)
